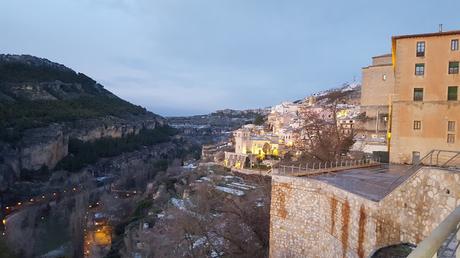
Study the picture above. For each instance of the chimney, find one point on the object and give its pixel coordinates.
(440, 27)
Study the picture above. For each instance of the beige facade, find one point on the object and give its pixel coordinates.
(377, 86)
(423, 118)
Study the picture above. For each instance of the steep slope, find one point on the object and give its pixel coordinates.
(44, 104)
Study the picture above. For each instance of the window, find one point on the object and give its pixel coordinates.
(417, 125)
(421, 48)
(418, 94)
(384, 77)
(454, 45)
(452, 93)
(419, 69)
(450, 138)
(453, 67)
(451, 126)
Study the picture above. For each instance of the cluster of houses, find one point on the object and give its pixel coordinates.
(265, 144)
(408, 105)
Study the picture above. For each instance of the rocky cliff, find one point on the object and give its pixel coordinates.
(44, 104)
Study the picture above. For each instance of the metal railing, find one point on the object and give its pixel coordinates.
(443, 241)
(440, 158)
(435, 158)
(323, 167)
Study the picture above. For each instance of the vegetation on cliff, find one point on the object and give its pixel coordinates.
(35, 92)
(19, 116)
(84, 153)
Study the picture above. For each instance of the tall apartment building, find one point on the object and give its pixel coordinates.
(425, 104)
(377, 86)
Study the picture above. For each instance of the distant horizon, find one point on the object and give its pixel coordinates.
(179, 58)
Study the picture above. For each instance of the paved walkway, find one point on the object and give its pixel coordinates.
(373, 183)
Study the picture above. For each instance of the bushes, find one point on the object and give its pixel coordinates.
(85, 153)
(23, 72)
(19, 116)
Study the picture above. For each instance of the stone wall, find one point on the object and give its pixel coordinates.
(309, 218)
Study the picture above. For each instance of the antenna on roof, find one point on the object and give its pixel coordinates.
(440, 27)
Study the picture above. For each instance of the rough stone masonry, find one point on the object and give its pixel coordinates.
(310, 218)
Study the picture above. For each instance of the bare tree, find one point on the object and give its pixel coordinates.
(321, 136)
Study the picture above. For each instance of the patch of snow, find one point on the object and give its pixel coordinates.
(190, 166)
(214, 254)
(199, 181)
(230, 190)
(199, 242)
(160, 215)
(244, 185)
(206, 179)
(238, 186)
(178, 203)
(99, 215)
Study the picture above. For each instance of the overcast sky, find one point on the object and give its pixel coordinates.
(195, 56)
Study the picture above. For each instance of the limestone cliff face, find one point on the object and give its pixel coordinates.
(44, 104)
(43, 147)
(46, 146)
(93, 129)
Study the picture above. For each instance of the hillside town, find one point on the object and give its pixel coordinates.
(402, 120)
(261, 130)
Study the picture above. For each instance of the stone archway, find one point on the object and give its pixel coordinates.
(394, 251)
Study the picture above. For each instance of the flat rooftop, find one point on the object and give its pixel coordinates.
(373, 183)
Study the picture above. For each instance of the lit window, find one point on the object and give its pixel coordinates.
(417, 125)
(454, 45)
(421, 48)
(452, 93)
(453, 67)
(419, 69)
(418, 94)
(450, 138)
(384, 77)
(451, 126)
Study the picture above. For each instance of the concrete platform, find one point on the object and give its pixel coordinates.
(373, 183)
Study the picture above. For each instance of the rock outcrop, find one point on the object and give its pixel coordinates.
(44, 104)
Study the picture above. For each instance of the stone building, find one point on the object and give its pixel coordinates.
(312, 217)
(377, 86)
(251, 143)
(425, 103)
